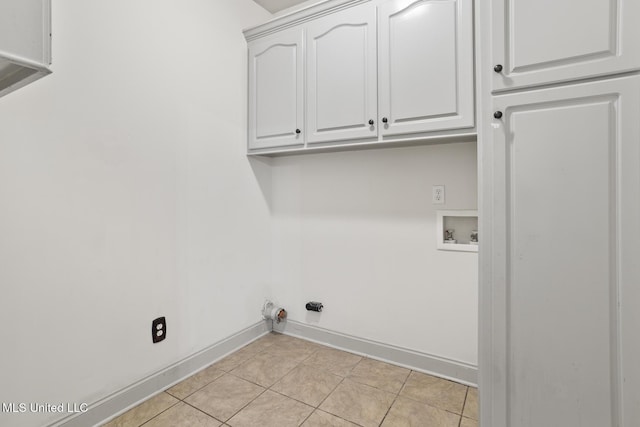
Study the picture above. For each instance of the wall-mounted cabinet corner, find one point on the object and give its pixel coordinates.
(25, 42)
(457, 230)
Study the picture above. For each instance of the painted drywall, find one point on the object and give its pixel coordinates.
(357, 232)
(125, 194)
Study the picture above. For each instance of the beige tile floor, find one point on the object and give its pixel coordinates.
(282, 381)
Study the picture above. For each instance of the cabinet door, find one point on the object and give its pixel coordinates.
(548, 41)
(564, 181)
(275, 90)
(425, 68)
(341, 76)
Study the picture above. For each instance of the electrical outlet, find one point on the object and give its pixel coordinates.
(438, 195)
(158, 329)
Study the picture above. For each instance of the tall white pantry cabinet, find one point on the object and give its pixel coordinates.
(560, 213)
(349, 71)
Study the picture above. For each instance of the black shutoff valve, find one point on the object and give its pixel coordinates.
(314, 306)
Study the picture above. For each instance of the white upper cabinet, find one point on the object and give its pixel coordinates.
(549, 41)
(341, 76)
(25, 42)
(425, 56)
(276, 90)
(347, 72)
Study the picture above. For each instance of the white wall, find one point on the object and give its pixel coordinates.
(125, 194)
(357, 231)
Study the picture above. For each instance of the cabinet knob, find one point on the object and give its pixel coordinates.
(297, 130)
(497, 114)
(371, 122)
(497, 68)
(384, 120)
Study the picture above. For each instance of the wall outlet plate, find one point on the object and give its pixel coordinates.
(158, 329)
(438, 195)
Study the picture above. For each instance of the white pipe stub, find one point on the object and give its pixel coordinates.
(271, 311)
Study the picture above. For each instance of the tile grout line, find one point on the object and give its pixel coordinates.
(159, 413)
(247, 404)
(464, 405)
(307, 417)
(224, 372)
(396, 398)
(197, 390)
(327, 396)
(389, 410)
(179, 400)
(200, 410)
(301, 363)
(265, 389)
(234, 375)
(195, 407)
(437, 407)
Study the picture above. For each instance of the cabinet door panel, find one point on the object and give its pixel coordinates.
(549, 41)
(566, 175)
(341, 86)
(425, 65)
(275, 91)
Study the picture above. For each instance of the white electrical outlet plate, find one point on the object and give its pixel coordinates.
(438, 195)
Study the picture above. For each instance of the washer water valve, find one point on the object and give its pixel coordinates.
(314, 306)
(271, 311)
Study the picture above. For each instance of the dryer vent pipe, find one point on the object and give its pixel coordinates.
(271, 311)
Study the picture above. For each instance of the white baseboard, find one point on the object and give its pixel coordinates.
(121, 401)
(434, 365)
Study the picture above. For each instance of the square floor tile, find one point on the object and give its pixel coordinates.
(235, 359)
(195, 382)
(263, 342)
(471, 404)
(379, 375)
(144, 412)
(468, 422)
(183, 415)
(435, 391)
(243, 354)
(407, 412)
(293, 349)
(324, 419)
(271, 410)
(264, 369)
(358, 403)
(307, 384)
(224, 397)
(334, 361)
